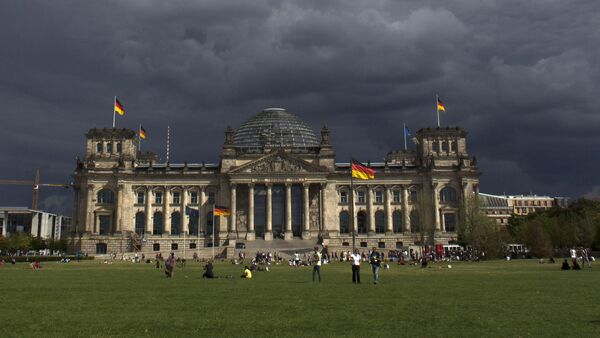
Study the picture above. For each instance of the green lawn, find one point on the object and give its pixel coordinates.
(516, 298)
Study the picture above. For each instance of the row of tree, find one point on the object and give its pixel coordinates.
(545, 233)
(23, 243)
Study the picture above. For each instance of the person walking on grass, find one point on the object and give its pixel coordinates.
(356, 267)
(317, 267)
(375, 260)
(170, 265)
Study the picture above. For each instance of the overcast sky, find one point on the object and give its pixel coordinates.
(522, 77)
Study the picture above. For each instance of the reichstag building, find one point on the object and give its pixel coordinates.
(280, 182)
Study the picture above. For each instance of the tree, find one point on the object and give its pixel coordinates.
(475, 229)
(19, 241)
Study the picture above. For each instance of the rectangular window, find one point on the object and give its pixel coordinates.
(211, 197)
(158, 197)
(343, 197)
(378, 197)
(140, 197)
(194, 197)
(396, 196)
(361, 197)
(176, 197)
(109, 147)
(413, 196)
(119, 147)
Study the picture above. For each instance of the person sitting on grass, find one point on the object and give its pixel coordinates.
(565, 265)
(247, 273)
(36, 265)
(208, 270)
(576, 265)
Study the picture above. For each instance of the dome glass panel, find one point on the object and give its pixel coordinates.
(274, 127)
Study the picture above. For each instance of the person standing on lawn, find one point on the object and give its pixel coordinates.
(170, 265)
(317, 261)
(375, 259)
(356, 267)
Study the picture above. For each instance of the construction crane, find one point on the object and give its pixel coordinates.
(35, 185)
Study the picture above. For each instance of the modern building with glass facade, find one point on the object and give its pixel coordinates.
(280, 182)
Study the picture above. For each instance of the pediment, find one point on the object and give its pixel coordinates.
(278, 163)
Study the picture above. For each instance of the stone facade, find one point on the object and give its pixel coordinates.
(278, 181)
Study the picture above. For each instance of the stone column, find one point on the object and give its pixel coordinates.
(436, 206)
(306, 213)
(288, 212)
(323, 206)
(233, 217)
(149, 225)
(75, 219)
(89, 207)
(201, 213)
(388, 212)
(117, 226)
(250, 234)
(405, 211)
(167, 211)
(5, 224)
(370, 211)
(269, 212)
(185, 219)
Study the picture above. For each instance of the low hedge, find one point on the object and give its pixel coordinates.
(42, 258)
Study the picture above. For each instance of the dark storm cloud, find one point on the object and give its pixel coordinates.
(521, 77)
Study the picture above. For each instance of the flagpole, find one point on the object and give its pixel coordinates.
(114, 112)
(404, 130)
(352, 208)
(140, 139)
(213, 232)
(437, 98)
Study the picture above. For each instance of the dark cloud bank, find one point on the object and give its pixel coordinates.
(520, 77)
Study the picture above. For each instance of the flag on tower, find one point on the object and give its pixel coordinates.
(119, 109)
(407, 131)
(221, 211)
(361, 171)
(142, 133)
(440, 105)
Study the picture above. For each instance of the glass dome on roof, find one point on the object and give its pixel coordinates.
(274, 127)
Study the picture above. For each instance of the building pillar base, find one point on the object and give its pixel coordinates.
(306, 235)
(389, 233)
(268, 235)
(250, 236)
(232, 235)
(371, 234)
(288, 235)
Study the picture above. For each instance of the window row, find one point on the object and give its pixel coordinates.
(107, 196)
(176, 223)
(100, 146)
(445, 146)
(361, 196)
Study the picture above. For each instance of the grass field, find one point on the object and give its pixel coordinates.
(498, 298)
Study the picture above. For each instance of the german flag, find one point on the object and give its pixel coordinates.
(142, 133)
(440, 105)
(361, 171)
(119, 109)
(221, 211)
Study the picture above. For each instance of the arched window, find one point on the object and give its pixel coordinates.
(157, 228)
(445, 146)
(109, 147)
(361, 220)
(119, 147)
(175, 223)
(379, 222)
(344, 222)
(435, 146)
(140, 222)
(99, 147)
(448, 194)
(415, 222)
(454, 146)
(106, 196)
(397, 221)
